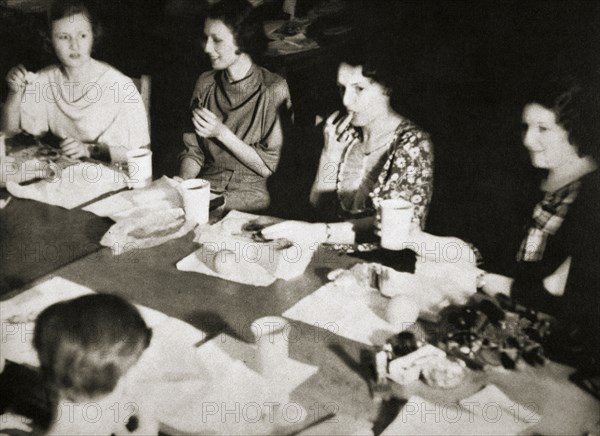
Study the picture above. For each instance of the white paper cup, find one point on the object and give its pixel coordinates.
(196, 199)
(396, 218)
(139, 168)
(272, 344)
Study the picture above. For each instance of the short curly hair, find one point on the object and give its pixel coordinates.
(85, 345)
(382, 61)
(245, 22)
(575, 103)
(377, 62)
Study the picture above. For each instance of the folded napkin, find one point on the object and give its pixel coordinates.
(506, 409)
(229, 252)
(11, 170)
(488, 412)
(72, 186)
(19, 313)
(160, 195)
(349, 305)
(226, 265)
(153, 228)
(211, 392)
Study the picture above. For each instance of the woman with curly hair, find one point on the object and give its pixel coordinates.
(239, 110)
(372, 153)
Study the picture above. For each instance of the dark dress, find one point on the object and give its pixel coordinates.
(257, 109)
(578, 237)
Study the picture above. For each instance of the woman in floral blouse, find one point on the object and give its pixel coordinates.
(370, 154)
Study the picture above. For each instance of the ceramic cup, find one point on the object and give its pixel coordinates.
(139, 168)
(396, 217)
(272, 343)
(196, 199)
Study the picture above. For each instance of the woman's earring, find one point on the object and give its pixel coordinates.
(238, 51)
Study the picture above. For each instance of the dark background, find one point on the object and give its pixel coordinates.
(467, 64)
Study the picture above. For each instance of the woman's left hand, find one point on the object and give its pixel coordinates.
(74, 148)
(207, 124)
(296, 231)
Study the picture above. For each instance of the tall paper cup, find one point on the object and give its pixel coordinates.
(196, 199)
(272, 344)
(139, 168)
(396, 217)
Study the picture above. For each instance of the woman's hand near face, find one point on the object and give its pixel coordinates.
(207, 124)
(74, 149)
(338, 136)
(16, 78)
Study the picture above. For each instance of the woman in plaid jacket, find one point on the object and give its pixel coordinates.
(556, 268)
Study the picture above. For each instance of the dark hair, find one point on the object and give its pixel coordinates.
(85, 345)
(575, 103)
(376, 62)
(59, 9)
(245, 22)
(383, 62)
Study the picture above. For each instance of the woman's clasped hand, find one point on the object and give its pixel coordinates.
(207, 124)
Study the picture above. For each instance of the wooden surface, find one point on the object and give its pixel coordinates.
(149, 277)
(36, 239)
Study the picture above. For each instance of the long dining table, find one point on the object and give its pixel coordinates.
(31, 231)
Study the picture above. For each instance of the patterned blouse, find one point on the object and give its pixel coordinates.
(403, 168)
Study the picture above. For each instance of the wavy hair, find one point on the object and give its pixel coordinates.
(245, 22)
(85, 345)
(575, 103)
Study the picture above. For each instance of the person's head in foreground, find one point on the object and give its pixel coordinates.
(86, 345)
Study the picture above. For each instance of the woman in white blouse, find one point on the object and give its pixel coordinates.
(94, 109)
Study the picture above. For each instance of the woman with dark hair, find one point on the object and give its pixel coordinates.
(556, 268)
(371, 153)
(87, 348)
(557, 264)
(94, 109)
(239, 110)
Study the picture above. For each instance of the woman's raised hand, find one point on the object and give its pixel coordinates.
(207, 124)
(74, 148)
(16, 78)
(338, 135)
